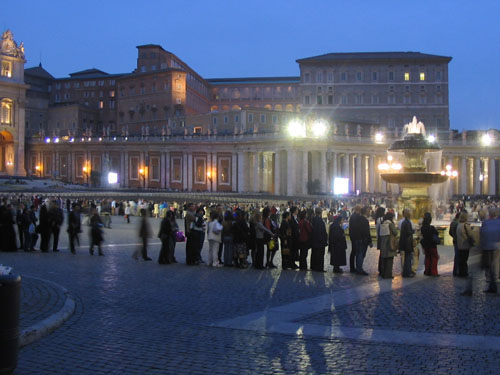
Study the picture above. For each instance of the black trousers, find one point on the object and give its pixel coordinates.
(72, 238)
(259, 253)
(55, 232)
(44, 241)
(304, 252)
(463, 257)
(318, 259)
(352, 257)
(21, 236)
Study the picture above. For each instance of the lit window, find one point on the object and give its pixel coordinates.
(422, 76)
(407, 76)
(6, 69)
(101, 104)
(6, 113)
(197, 130)
(112, 94)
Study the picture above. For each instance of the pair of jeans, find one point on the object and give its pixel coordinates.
(228, 250)
(361, 248)
(407, 260)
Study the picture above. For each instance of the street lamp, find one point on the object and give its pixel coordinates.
(85, 171)
(209, 176)
(142, 173)
(38, 170)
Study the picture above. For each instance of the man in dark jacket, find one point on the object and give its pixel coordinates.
(74, 227)
(406, 243)
(56, 218)
(294, 225)
(354, 235)
(319, 241)
(362, 238)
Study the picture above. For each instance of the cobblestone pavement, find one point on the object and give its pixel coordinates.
(136, 317)
(39, 300)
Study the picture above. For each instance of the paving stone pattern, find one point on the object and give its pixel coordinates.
(39, 300)
(136, 317)
(432, 305)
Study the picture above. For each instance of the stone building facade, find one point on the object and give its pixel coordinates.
(163, 126)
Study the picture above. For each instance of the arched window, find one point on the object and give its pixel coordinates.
(6, 113)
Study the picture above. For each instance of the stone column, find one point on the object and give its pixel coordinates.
(256, 172)
(208, 168)
(242, 170)
(185, 171)
(168, 172)
(322, 171)
(234, 174)
(277, 173)
(477, 171)
(190, 171)
(346, 172)
(371, 173)
(462, 175)
(358, 172)
(215, 171)
(290, 172)
(305, 171)
(125, 169)
(162, 170)
(492, 176)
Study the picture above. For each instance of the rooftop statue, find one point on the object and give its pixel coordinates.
(9, 47)
(414, 127)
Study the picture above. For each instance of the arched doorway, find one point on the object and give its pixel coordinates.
(6, 152)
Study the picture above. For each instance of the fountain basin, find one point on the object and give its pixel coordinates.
(414, 179)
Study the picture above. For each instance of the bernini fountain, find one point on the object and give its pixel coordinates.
(411, 163)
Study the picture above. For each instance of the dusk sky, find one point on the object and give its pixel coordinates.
(264, 38)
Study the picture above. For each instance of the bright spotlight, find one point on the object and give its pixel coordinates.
(431, 138)
(486, 140)
(112, 178)
(340, 186)
(448, 167)
(383, 166)
(389, 158)
(319, 128)
(454, 173)
(72, 139)
(47, 140)
(379, 137)
(297, 129)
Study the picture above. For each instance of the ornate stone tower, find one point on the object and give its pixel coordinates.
(12, 106)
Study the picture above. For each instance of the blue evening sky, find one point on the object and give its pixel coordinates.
(265, 37)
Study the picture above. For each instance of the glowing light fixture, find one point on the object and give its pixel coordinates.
(486, 140)
(379, 137)
(112, 178)
(56, 140)
(72, 139)
(296, 129)
(431, 138)
(47, 140)
(389, 158)
(100, 139)
(319, 128)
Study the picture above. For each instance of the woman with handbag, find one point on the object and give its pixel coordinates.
(464, 243)
(388, 245)
(430, 240)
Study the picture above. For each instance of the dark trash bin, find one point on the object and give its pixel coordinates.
(10, 306)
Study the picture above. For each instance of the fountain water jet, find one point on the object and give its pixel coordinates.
(420, 160)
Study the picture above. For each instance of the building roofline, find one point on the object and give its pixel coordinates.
(254, 80)
(382, 56)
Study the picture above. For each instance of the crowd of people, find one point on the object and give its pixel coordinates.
(244, 235)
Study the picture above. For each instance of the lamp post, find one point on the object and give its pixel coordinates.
(38, 171)
(85, 171)
(142, 173)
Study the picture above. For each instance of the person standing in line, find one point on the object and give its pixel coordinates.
(388, 245)
(294, 225)
(19, 222)
(220, 217)
(56, 218)
(96, 235)
(44, 229)
(189, 219)
(214, 239)
(464, 243)
(429, 242)
(319, 241)
(33, 234)
(240, 239)
(26, 226)
(406, 243)
(453, 233)
(127, 212)
(199, 228)
(144, 234)
(286, 241)
(74, 227)
(379, 218)
(363, 241)
(260, 234)
(227, 238)
(354, 237)
(165, 256)
(305, 231)
(337, 244)
(490, 241)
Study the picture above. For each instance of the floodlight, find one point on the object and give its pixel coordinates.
(112, 178)
(379, 137)
(486, 140)
(296, 129)
(319, 128)
(431, 138)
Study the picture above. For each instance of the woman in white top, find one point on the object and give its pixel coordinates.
(214, 239)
